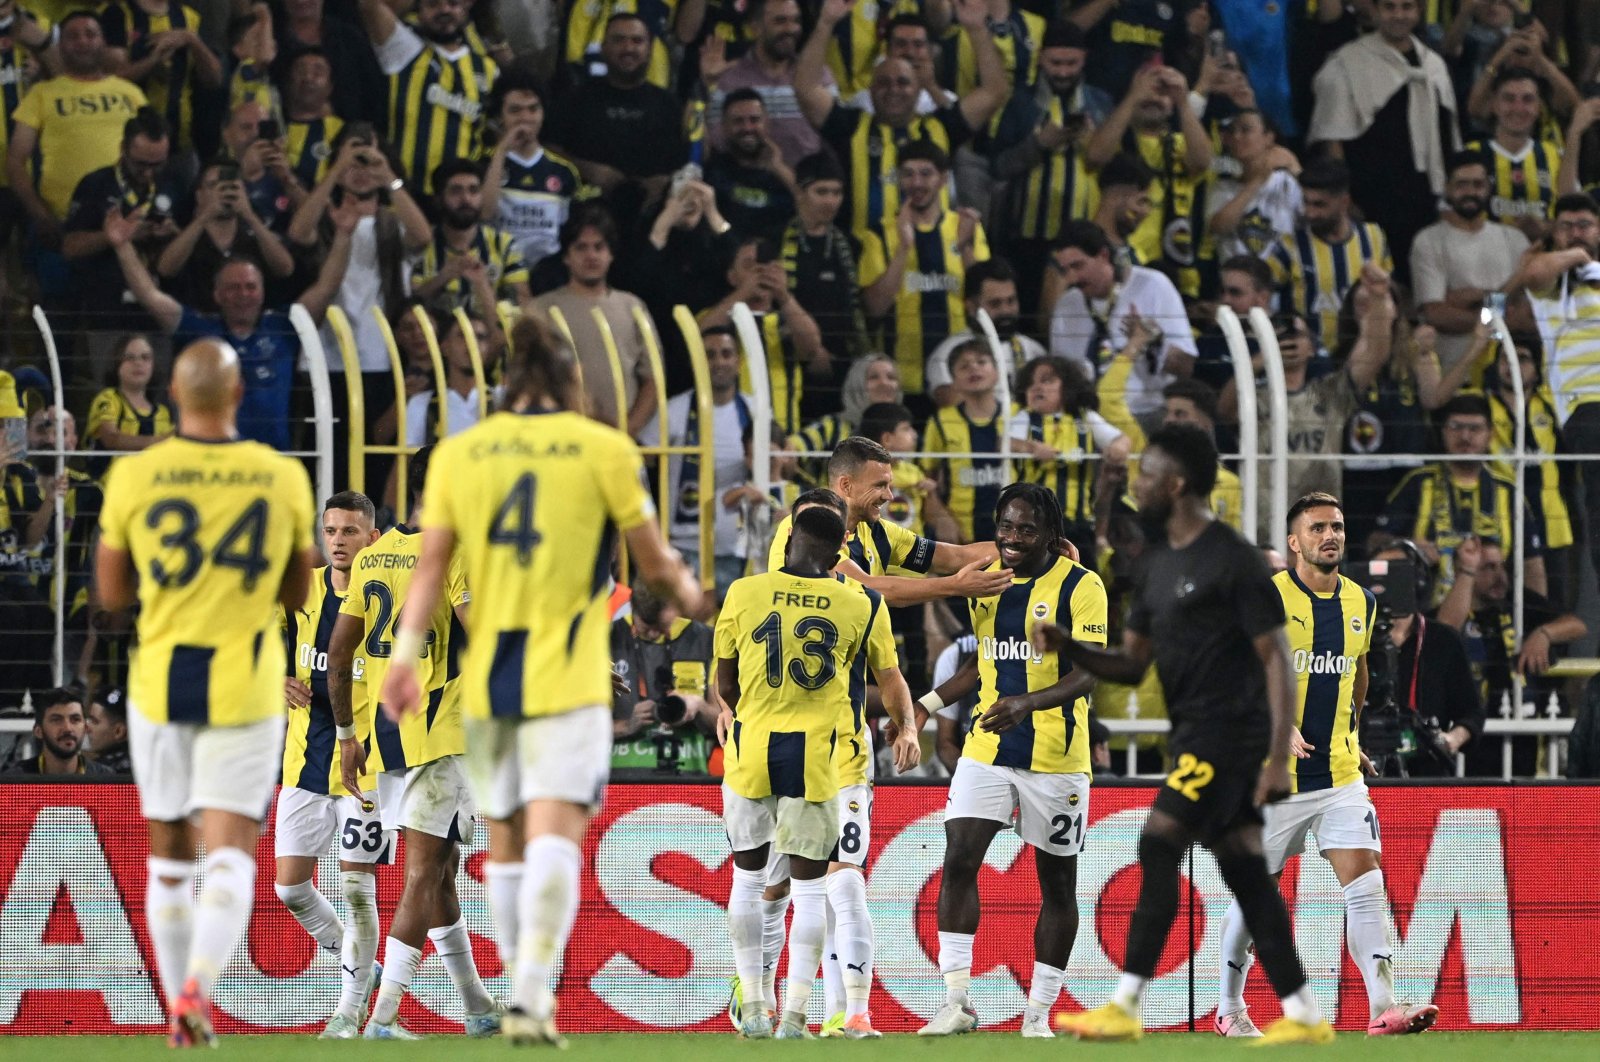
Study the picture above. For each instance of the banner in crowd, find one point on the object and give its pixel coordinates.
(1495, 894)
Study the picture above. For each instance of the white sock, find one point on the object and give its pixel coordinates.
(1302, 1007)
(222, 912)
(503, 881)
(955, 962)
(400, 962)
(169, 911)
(547, 906)
(455, 951)
(847, 897)
(832, 984)
(1129, 988)
(1366, 913)
(806, 930)
(1046, 987)
(360, 941)
(744, 931)
(1236, 961)
(774, 916)
(313, 911)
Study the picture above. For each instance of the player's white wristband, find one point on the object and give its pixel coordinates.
(344, 733)
(407, 648)
(931, 701)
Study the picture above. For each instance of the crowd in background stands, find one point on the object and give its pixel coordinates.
(1098, 176)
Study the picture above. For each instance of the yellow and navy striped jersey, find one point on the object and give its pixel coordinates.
(1428, 504)
(1054, 740)
(210, 528)
(112, 409)
(586, 29)
(821, 435)
(379, 581)
(874, 547)
(1328, 636)
(502, 262)
(868, 149)
(309, 147)
(905, 508)
(251, 82)
(1018, 41)
(1069, 476)
(1521, 185)
(794, 638)
(1545, 500)
(972, 485)
(169, 85)
(1058, 188)
(535, 198)
(929, 307)
(310, 747)
(1174, 230)
(536, 503)
(1569, 323)
(1314, 275)
(857, 41)
(436, 97)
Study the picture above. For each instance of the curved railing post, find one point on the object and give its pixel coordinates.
(1002, 361)
(755, 360)
(441, 378)
(480, 380)
(400, 449)
(355, 398)
(1244, 379)
(1278, 407)
(619, 386)
(1519, 499)
(321, 396)
(708, 453)
(58, 654)
(658, 376)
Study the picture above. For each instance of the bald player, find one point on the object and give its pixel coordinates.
(208, 535)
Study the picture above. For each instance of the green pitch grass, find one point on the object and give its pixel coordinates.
(1430, 1047)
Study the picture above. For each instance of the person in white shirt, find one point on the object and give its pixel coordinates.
(461, 394)
(1098, 307)
(1258, 196)
(731, 414)
(989, 285)
(906, 37)
(1462, 257)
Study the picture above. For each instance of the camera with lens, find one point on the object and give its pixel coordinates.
(671, 709)
(1390, 733)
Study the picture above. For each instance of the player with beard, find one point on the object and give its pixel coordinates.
(1026, 752)
(437, 84)
(1329, 630)
(1206, 611)
(468, 264)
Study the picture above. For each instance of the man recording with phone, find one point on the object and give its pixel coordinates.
(224, 226)
(661, 720)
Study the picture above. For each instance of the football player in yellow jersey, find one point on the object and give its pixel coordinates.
(1330, 631)
(785, 645)
(208, 535)
(1026, 753)
(532, 500)
(314, 806)
(422, 786)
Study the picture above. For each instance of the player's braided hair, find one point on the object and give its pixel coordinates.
(542, 365)
(1045, 505)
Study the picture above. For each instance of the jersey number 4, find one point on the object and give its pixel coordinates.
(239, 548)
(513, 521)
(820, 649)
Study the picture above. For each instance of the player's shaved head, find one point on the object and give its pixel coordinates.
(205, 378)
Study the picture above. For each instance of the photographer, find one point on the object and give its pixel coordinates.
(224, 226)
(1422, 689)
(661, 720)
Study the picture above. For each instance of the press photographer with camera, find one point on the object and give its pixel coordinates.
(660, 719)
(1422, 704)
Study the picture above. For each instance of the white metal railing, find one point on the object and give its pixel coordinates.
(1244, 379)
(322, 406)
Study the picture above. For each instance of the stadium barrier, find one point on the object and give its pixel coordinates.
(1495, 896)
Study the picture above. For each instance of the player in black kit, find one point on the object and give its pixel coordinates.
(1205, 609)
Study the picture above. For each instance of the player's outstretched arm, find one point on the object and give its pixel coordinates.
(1125, 664)
(296, 580)
(665, 573)
(968, 581)
(1273, 650)
(347, 631)
(903, 728)
(115, 581)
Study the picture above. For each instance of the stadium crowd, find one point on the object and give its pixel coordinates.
(1383, 177)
